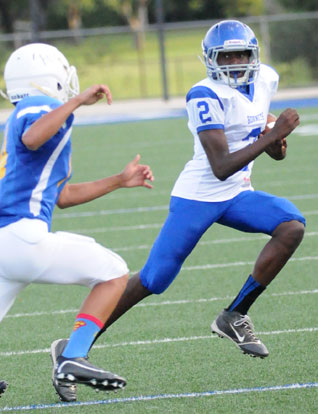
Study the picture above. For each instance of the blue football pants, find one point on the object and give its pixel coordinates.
(249, 211)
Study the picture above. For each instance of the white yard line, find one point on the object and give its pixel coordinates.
(159, 341)
(162, 303)
(144, 209)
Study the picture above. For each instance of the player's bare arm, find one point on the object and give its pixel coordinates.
(224, 163)
(49, 124)
(133, 175)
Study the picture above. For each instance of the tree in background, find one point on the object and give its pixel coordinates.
(64, 14)
(300, 5)
(243, 8)
(76, 14)
(7, 17)
(187, 10)
(297, 39)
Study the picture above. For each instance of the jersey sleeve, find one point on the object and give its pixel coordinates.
(272, 78)
(205, 109)
(26, 116)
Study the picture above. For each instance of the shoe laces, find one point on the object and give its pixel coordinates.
(247, 324)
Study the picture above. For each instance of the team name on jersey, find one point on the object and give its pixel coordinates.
(251, 119)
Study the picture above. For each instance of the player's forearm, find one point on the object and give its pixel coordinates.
(80, 193)
(225, 165)
(49, 124)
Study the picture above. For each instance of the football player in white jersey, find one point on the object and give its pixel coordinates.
(35, 168)
(227, 112)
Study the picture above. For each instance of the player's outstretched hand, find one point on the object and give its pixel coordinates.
(135, 174)
(94, 94)
(285, 123)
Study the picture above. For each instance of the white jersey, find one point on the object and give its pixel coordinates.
(211, 105)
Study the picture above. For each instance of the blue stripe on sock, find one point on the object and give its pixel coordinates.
(248, 287)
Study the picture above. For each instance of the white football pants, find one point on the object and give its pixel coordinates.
(29, 253)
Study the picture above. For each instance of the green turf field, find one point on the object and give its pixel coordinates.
(164, 347)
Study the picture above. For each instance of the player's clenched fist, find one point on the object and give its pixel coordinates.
(286, 123)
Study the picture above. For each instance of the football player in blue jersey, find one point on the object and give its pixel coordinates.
(35, 168)
(227, 114)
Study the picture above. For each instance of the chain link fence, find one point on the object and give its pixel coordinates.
(163, 61)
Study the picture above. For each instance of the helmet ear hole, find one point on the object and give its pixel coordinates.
(59, 86)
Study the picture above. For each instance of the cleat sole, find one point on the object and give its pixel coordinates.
(220, 335)
(105, 385)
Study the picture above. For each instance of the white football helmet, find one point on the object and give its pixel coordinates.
(38, 68)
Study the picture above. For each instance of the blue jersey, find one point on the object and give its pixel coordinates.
(31, 181)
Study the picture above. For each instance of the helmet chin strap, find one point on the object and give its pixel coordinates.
(4, 95)
(201, 60)
(43, 89)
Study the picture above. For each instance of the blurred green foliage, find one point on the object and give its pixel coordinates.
(59, 14)
(297, 41)
(134, 73)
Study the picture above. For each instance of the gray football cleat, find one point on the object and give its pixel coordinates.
(66, 390)
(240, 330)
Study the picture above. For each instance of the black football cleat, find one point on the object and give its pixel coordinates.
(80, 371)
(3, 387)
(65, 390)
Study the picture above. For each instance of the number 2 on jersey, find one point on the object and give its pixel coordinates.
(204, 112)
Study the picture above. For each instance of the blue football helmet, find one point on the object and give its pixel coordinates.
(231, 36)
